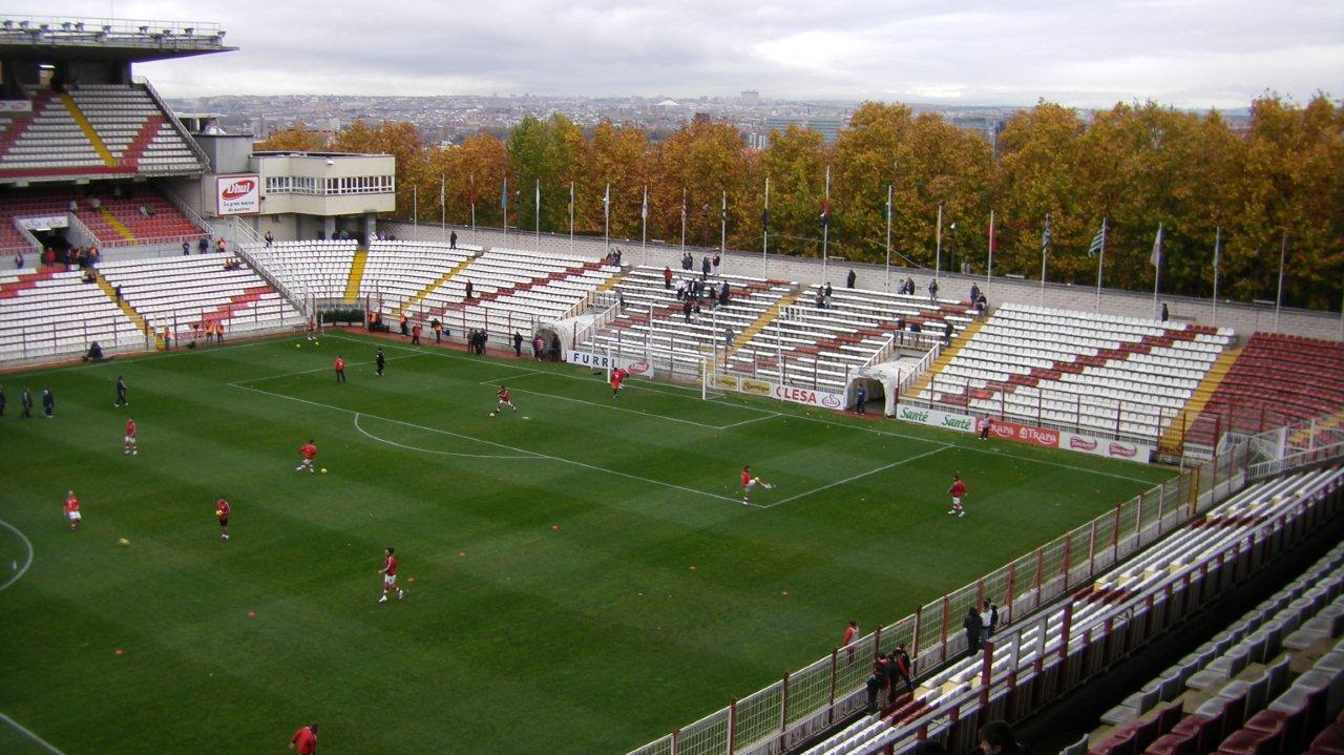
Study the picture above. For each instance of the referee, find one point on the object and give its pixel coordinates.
(380, 361)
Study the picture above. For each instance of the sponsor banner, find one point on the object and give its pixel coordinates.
(1113, 449)
(789, 393)
(936, 418)
(16, 106)
(45, 223)
(636, 366)
(237, 195)
(1033, 436)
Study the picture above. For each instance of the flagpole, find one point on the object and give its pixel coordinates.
(683, 220)
(1217, 238)
(471, 178)
(765, 232)
(443, 210)
(887, 284)
(826, 227)
(1046, 238)
(537, 201)
(1101, 259)
(989, 266)
(938, 254)
(606, 217)
(415, 207)
(1157, 268)
(504, 203)
(571, 217)
(723, 224)
(1278, 297)
(644, 221)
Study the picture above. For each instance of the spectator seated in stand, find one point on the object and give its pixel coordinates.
(94, 354)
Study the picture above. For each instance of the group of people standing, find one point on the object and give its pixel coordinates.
(26, 402)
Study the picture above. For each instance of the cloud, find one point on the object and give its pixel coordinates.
(1180, 52)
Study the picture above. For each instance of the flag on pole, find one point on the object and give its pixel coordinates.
(644, 209)
(1047, 235)
(538, 197)
(442, 202)
(606, 202)
(1155, 259)
(571, 196)
(723, 210)
(1098, 242)
(825, 212)
(765, 213)
(504, 194)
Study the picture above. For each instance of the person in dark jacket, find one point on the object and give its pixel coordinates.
(2, 401)
(850, 279)
(470, 289)
(974, 628)
(1165, 313)
(379, 362)
(975, 294)
(997, 738)
(876, 681)
(452, 240)
(993, 618)
(26, 401)
(933, 289)
(704, 267)
(48, 403)
(861, 400)
(517, 344)
(900, 670)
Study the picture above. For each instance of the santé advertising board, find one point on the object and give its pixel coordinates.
(237, 195)
(935, 418)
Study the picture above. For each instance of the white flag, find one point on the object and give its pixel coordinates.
(644, 209)
(1155, 259)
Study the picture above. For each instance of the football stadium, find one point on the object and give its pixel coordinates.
(279, 456)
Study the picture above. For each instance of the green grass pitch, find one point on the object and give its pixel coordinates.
(585, 575)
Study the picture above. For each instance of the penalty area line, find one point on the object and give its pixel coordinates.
(515, 449)
(859, 476)
(32, 736)
(28, 562)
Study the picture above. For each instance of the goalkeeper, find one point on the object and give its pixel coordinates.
(748, 483)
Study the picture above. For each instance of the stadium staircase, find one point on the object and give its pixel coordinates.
(125, 306)
(945, 356)
(431, 287)
(19, 123)
(27, 280)
(766, 317)
(140, 143)
(1174, 436)
(613, 281)
(89, 132)
(356, 275)
(115, 224)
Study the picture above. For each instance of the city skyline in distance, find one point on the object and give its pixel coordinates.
(1194, 54)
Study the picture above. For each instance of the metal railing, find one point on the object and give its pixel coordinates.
(1020, 587)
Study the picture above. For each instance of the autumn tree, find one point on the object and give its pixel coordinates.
(796, 164)
(706, 159)
(296, 138)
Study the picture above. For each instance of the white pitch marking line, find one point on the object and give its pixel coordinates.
(493, 443)
(28, 545)
(558, 397)
(519, 376)
(772, 415)
(371, 436)
(39, 741)
(859, 476)
(240, 383)
(805, 418)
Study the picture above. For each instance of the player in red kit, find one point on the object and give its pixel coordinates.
(389, 572)
(128, 443)
(617, 377)
(505, 399)
(339, 364)
(957, 491)
(309, 452)
(304, 740)
(222, 510)
(72, 514)
(749, 483)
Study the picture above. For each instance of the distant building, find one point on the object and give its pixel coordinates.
(829, 128)
(987, 126)
(750, 97)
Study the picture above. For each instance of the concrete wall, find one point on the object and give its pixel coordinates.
(1242, 318)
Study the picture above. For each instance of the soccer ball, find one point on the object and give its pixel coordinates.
(324, 470)
(298, 346)
(492, 414)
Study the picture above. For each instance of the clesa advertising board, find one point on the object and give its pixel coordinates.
(636, 366)
(789, 393)
(238, 195)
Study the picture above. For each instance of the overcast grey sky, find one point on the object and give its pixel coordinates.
(1089, 53)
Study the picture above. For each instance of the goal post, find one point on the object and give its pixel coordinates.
(709, 390)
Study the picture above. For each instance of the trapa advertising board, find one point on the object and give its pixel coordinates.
(238, 195)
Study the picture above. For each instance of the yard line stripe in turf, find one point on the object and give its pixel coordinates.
(536, 454)
(875, 431)
(370, 435)
(39, 741)
(28, 545)
(624, 409)
(859, 476)
(315, 369)
(754, 419)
